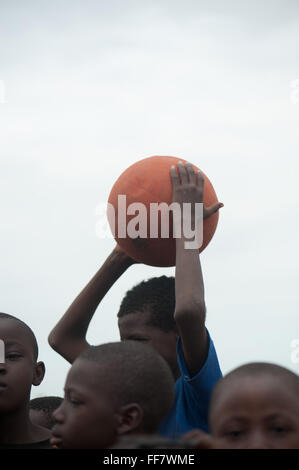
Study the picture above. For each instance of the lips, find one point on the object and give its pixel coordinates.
(56, 439)
(3, 386)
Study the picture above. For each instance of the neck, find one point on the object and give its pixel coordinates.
(15, 427)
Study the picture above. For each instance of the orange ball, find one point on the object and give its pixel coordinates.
(148, 181)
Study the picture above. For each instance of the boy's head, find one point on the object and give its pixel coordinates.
(41, 410)
(112, 390)
(256, 406)
(20, 370)
(146, 314)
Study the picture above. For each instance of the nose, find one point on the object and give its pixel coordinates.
(258, 440)
(3, 369)
(58, 414)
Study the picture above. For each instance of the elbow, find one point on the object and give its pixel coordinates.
(53, 341)
(190, 312)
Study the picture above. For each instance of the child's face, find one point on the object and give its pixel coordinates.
(256, 412)
(87, 418)
(41, 418)
(137, 327)
(17, 374)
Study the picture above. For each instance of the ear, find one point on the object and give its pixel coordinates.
(130, 418)
(39, 372)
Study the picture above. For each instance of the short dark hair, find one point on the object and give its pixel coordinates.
(48, 404)
(256, 369)
(28, 330)
(136, 373)
(156, 296)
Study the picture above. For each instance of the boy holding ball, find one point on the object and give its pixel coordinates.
(167, 315)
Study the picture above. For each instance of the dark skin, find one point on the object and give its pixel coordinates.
(40, 417)
(257, 413)
(252, 413)
(136, 326)
(190, 309)
(68, 337)
(17, 375)
(90, 416)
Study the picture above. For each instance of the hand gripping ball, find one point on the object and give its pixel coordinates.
(142, 184)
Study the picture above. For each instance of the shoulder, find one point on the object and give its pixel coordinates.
(209, 373)
(32, 445)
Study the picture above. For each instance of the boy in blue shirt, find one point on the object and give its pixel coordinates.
(178, 333)
(140, 316)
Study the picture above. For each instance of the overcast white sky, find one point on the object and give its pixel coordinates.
(92, 86)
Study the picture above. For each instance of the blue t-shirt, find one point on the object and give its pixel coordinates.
(192, 395)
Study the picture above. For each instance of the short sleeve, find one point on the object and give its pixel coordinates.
(192, 395)
(197, 390)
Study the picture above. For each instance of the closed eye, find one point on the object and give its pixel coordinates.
(135, 338)
(75, 402)
(279, 430)
(234, 434)
(13, 356)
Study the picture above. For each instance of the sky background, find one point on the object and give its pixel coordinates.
(90, 87)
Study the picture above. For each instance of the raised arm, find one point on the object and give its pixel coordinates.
(68, 338)
(190, 310)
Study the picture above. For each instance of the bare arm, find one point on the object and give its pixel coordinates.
(190, 310)
(68, 337)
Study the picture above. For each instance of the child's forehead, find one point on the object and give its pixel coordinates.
(255, 400)
(137, 323)
(269, 389)
(13, 331)
(86, 373)
(134, 319)
(255, 382)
